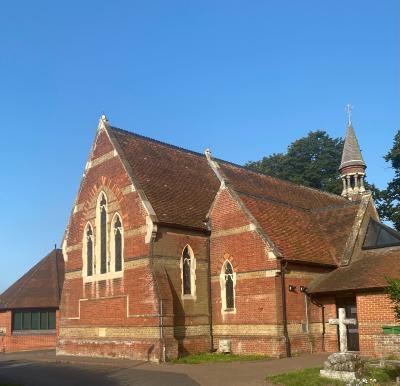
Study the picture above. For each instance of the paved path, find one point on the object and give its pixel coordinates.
(45, 369)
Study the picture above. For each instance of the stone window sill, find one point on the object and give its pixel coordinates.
(229, 311)
(34, 332)
(189, 297)
(103, 276)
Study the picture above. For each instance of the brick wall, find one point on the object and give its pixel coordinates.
(304, 316)
(253, 325)
(189, 313)
(375, 310)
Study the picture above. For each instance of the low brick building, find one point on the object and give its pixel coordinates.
(360, 288)
(169, 252)
(29, 309)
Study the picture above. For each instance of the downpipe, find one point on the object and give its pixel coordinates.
(284, 313)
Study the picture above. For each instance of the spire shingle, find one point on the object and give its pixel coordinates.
(351, 155)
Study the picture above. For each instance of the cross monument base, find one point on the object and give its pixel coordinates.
(343, 366)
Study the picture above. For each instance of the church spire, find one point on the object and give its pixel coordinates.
(352, 167)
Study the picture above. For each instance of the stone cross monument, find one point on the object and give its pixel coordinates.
(342, 322)
(344, 365)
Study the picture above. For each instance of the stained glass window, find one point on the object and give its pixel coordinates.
(186, 266)
(118, 243)
(230, 300)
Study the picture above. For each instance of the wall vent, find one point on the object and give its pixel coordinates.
(225, 345)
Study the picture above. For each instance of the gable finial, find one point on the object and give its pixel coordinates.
(349, 110)
(207, 153)
(103, 122)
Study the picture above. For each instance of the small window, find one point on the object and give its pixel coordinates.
(26, 321)
(229, 293)
(36, 320)
(89, 250)
(44, 320)
(52, 320)
(186, 274)
(103, 234)
(118, 243)
(17, 321)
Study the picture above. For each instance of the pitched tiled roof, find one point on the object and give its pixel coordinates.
(40, 287)
(291, 229)
(301, 234)
(259, 184)
(305, 224)
(367, 272)
(178, 183)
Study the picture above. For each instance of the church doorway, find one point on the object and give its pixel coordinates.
(350, 305)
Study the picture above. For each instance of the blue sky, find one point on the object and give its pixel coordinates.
(244, 78)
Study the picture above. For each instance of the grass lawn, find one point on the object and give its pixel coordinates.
(311, 377)
(385, 376)
(217, 357)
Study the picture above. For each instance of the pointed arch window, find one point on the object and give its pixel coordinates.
(186, 268)
(188, 272)
(103, 233)
(228, 283)
(117, 226)
(89, 250)
(229, 293)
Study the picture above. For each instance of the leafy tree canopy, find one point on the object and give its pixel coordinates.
(312, 161)
(388, 200)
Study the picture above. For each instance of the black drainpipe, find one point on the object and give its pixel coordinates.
(284, 315)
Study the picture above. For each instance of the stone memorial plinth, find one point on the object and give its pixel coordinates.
(344, 366)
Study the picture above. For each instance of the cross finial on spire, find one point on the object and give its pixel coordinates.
(349, 110)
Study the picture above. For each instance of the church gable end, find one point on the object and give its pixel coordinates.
(115, 298)
(243, 279)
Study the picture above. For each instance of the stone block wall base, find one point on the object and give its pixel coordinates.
(386, 345)
(193, 345)
(272, 346)
(340, 375)
(145, 350)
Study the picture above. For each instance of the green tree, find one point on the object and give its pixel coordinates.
(312, 161)
(388, 200)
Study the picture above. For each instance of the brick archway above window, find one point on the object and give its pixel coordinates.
(224, 258)
(113, 193)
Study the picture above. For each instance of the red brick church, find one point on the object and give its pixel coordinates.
(169, 252)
